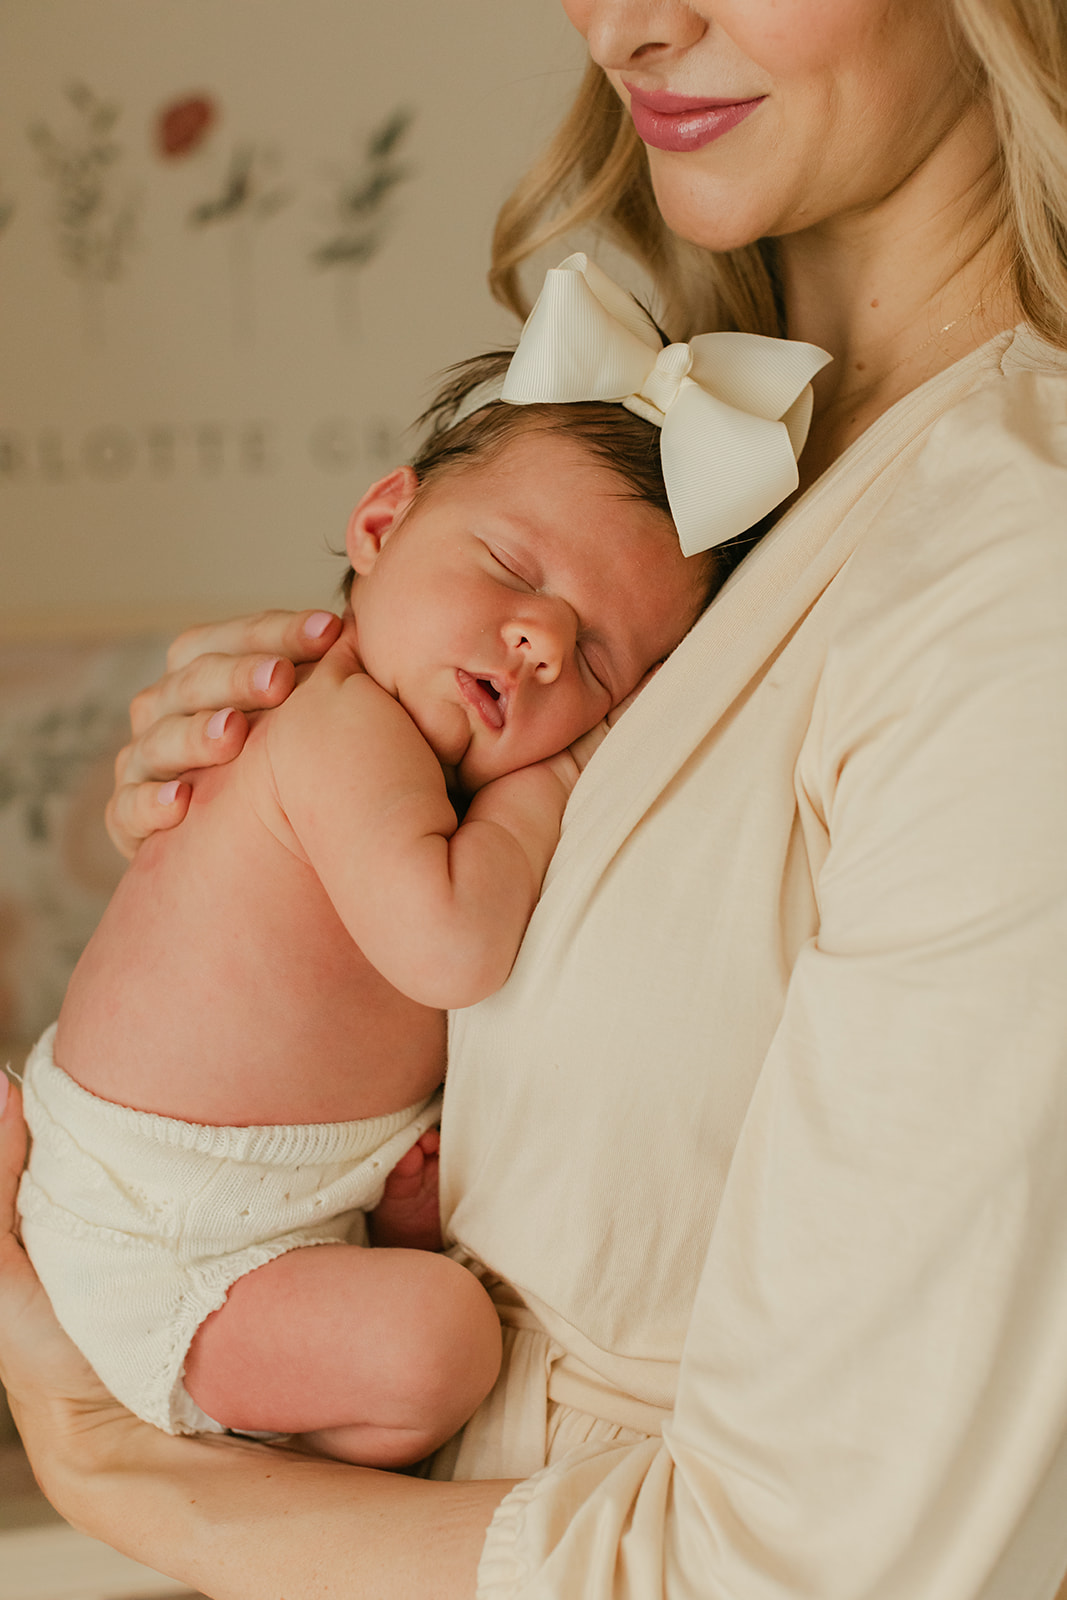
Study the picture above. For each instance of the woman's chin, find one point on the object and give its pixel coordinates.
(717, 214)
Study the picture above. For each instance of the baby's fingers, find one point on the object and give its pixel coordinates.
(582, 749)
(624, 705)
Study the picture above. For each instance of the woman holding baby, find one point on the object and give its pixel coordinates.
(760, 1149)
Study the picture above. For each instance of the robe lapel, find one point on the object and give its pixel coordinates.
(748, 623)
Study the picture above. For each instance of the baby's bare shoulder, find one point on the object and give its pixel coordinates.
(338, 714)
(333, 693)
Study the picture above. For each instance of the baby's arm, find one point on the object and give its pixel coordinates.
(437, 907)
(498, 858)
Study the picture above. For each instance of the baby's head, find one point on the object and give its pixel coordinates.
(521, 577)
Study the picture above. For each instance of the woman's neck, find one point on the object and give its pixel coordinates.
(901, 291)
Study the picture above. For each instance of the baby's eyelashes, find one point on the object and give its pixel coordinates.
(596, 665)
(592, 669)
(511, 566)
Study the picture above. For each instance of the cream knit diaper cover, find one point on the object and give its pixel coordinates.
(138, 1225)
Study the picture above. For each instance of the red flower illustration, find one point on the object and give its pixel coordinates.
(184, 124)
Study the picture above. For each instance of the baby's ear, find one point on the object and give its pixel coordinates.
(377, 513)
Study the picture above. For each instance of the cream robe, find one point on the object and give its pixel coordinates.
(767, 1133)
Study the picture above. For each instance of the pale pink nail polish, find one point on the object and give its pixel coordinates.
(263, 674)
(317, 623)
(217, 726)
(168, 792)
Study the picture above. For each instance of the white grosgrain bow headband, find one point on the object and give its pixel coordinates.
(733, 408)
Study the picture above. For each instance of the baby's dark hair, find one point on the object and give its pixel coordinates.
(626, 444)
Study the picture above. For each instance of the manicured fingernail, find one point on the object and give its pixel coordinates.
(5, 1090)
(168, 792)
(317, 623)
(263, 674)
(217, 726)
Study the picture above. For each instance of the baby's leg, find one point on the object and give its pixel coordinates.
(377, 1355)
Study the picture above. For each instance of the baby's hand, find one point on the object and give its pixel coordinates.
(407, 1216)
(569, 764)
(582, 750)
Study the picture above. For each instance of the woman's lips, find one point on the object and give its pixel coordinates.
(485, 696)
(676, 122)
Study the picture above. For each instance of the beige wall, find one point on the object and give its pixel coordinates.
(185, 437)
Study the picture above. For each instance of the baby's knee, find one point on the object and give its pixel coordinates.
(462, 1353)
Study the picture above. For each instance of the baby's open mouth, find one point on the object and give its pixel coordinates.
(487, 698)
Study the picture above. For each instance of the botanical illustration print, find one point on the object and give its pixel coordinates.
(95, 213)
(362, 211)
(247, 189)
(245, 195)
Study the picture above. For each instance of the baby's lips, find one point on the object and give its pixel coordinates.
(488, 700)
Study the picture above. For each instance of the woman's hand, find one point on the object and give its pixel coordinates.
(195, 715)
(56, 1399)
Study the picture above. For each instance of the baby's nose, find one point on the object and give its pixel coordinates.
(543, 640)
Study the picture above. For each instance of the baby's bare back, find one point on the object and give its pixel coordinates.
(222, 987)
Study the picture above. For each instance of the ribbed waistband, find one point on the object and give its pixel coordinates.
(297, 1144)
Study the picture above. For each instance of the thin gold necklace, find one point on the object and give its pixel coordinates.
(965, 316)
(979, 305)
(887, 372)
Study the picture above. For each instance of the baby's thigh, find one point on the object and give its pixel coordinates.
(334, 1334)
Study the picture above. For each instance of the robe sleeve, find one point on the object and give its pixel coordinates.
(872, 1401)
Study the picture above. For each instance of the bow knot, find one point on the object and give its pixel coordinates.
(660, 388)
(733, 408)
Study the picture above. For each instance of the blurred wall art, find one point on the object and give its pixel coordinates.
(237, 238)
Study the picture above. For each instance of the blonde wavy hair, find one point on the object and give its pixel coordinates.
(594, 173)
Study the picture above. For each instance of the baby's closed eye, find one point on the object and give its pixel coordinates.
(512, 566)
